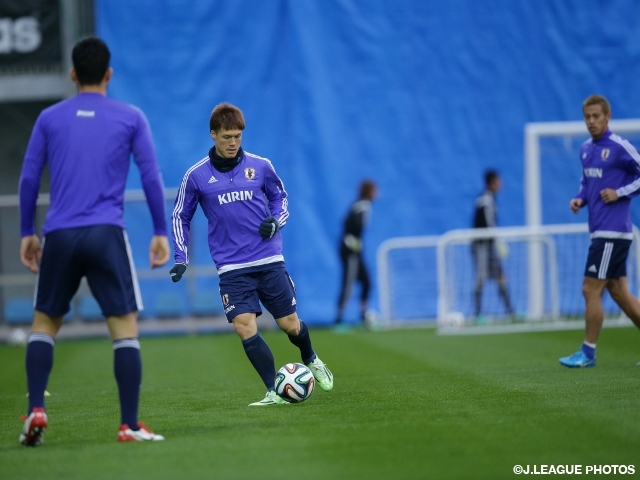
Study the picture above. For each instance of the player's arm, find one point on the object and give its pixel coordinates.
(144, 154)
(631, 161)
(353, 230)
(580, 200)
(158, 251)
(28, 188)
(575, 204)
(359, 219)
(483, 215)
(276, 196)
(277, 202)
(184, 208)
(31, 252)
(490, 214)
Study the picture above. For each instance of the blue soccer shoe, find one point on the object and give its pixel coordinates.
(578, 360)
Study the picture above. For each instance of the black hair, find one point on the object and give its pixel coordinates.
(490, 176)
(367, 190)
(91, 58)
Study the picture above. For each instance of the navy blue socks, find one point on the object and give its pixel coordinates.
(589, 349)
(38, 362)
(127, 366)
(303, 342)
(261, 358)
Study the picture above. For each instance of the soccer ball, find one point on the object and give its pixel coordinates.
(17, 337)
(294, 382)
(454, 320)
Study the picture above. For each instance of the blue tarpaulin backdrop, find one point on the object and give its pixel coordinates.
(419, 95)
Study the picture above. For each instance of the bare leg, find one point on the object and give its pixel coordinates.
(123, 326)
(594, 316)
(299, 335)
(619, 290)
(289, 324)
(43, 323)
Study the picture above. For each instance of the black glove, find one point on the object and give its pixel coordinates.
(269, 227)
(177, 271)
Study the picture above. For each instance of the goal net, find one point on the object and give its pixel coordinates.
(433, 278)
(547, 294)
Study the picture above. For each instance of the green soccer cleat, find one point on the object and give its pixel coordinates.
(322, 374)
(271, 398)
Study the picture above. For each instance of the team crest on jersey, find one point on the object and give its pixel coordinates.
(605, 153)
(250, 173)
(225, 299)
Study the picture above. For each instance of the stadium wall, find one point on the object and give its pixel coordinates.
(422, 96)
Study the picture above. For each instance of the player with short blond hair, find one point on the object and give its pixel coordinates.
(610, 179)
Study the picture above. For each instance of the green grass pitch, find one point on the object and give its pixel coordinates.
(406, 404)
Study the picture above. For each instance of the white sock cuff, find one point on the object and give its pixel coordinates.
(592, 345)
(126, 343)
(42, 337)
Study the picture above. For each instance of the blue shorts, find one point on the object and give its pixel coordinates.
(607, 258)
(102, 254)
(243, 292)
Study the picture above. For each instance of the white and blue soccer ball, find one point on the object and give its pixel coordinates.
(17, 337)
(294, 382)
(454, 320)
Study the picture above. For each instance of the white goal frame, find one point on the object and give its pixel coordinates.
(540, 236)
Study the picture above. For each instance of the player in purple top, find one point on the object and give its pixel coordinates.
(87, 142)
(610, 178)
(245, 203)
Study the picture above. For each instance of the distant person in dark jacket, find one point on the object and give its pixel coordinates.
(353, 266)
(488, 265)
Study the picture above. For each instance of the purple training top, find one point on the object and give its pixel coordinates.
(609, 162)
(235, 203)
(87, 141)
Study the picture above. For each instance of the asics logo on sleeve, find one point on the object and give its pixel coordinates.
(235, 196)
